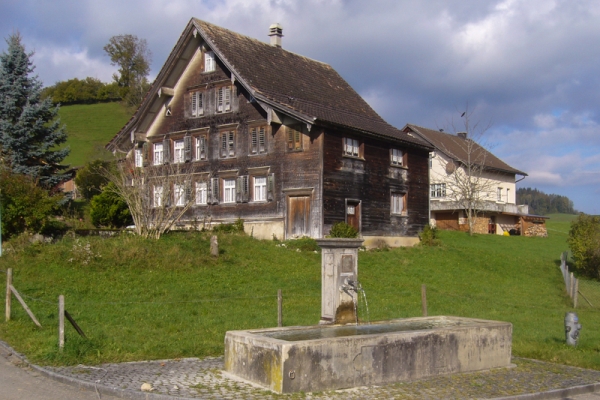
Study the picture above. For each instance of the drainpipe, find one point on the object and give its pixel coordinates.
(431, 157)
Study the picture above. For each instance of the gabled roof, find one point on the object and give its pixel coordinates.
(308, 90)
(457, 148)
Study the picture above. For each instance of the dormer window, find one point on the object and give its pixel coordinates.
(209, 61)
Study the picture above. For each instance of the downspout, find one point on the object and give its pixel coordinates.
(430, 166)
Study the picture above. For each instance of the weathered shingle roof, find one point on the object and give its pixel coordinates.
(291, 83)
(457, 148)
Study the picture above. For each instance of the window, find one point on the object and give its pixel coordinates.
(179, 151)
(228, 190)
(201, 148)
(158, 194)
(507, 193)
(209, 61)
(201, 193)
(258, 141)
(294, 138)
(260, 188)
(179, 192)
(197, 104)
(227, 144)
(139, 158)
(351, 147)
(499, 195)
(397, 157)
(438, 190)
(398, 203)
(158, 153)
(223, 99)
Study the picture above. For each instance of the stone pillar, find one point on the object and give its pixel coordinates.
(339, 264)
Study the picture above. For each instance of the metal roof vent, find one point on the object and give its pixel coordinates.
(276, 33)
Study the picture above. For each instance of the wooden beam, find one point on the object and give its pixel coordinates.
(8, 293)
(18, 296)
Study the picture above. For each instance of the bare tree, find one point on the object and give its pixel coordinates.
(158, 196)
(469, 181)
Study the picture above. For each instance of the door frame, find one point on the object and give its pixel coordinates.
(296, 192)
(358, 203)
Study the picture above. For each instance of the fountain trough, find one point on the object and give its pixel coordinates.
(329, 357)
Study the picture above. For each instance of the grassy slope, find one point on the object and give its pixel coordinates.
(90, 128)
(165, 299)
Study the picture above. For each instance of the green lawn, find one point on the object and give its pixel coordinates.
(90, 127)
(138, 299)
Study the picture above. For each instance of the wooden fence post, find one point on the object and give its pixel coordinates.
(575, 293)
(571, 285)
(214, 246)
(8, 293)
(279, 308)
(61, 322)
(424, 300)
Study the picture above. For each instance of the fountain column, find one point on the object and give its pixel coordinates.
(339, 265)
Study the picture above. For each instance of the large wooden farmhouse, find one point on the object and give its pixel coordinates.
(459, 163)
(278, 140)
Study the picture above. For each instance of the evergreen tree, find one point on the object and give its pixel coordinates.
(30, 133)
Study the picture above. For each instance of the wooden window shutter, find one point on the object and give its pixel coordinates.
(166, 151)
(194, 102)
(262, 141)
(238, 189)
(188, 192)
(270, 187)
(227, 95)
(290, 139)
(202, 140)
(297, 138)
(231, 144)
(145, 150)
(220, 100)
(404, 159)
(224, 144)
(214, 190)
(245, 188)
(253, 141)
(200, 99)
(187, 146)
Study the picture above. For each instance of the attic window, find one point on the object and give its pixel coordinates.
(209, 61)
(294, 139)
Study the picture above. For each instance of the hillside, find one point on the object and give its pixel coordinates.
(131, 296)
(90, 127)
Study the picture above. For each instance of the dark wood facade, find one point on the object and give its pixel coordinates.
(260, 159)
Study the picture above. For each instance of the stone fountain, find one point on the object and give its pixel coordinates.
(338, 353)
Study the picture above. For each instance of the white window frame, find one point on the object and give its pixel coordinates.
(179, 195)
(260, 188)
(397, 157)
(202, 193)
(229, 190)
(507, 193)
(159, 152)
(351, 147)
(398, 201)
(499, 194)
(200, 148)
(139, 158)
(438, 190)
(209, 62)
(179, 151)
(158, 196)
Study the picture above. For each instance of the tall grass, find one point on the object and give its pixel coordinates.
(137, 299)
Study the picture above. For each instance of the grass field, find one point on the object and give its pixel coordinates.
(138, 299)
(90, 127)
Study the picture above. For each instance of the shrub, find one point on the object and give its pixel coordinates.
(303, 244)
(108, 209)
(343, 230)
(90, 180)
(236, 227)
(428, 236)
(584, 242)
(25, 206)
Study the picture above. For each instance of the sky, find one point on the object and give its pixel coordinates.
(526, 71)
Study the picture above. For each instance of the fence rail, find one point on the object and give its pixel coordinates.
(571, 283)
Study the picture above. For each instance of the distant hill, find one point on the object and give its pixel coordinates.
(542, 204)
(90, 127)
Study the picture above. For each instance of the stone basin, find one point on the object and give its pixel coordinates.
(329, 357)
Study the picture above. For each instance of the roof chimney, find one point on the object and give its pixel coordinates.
(276, 33)
(462, 135)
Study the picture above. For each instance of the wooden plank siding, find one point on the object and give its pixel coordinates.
(372, 181)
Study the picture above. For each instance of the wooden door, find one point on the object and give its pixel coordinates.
(298, 216)
(353, 214)
(492, 226)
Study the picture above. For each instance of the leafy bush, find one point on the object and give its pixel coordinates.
(108, 209)
(236, 227)
(90, 179)
(428, 236)
(303, 244)
(343, 230)
(584, 242)
(25, 206)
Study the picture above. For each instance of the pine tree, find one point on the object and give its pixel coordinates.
(30, 131)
